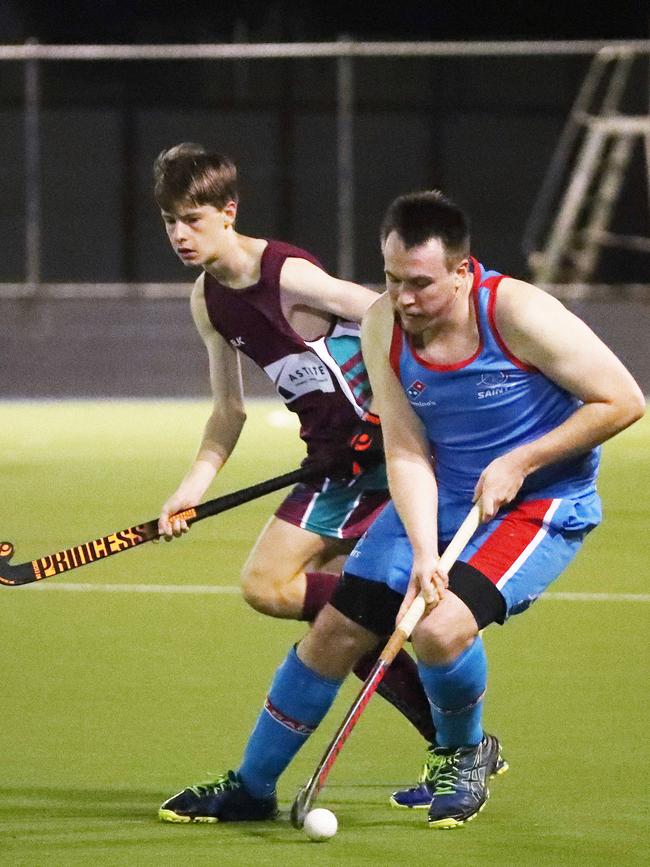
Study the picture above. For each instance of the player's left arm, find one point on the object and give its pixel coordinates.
(411, 477)
(541, 332)
(309, 285)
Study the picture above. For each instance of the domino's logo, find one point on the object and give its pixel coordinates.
(415, 389)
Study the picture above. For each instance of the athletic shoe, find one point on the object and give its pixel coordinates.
(222, 800)
(460, 788)
(419, 797)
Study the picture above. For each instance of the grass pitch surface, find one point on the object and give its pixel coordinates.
(113, 700)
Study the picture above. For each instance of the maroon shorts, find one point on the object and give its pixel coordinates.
(337, 509)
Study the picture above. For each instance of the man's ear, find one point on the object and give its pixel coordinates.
(462, 269)
(230, 212)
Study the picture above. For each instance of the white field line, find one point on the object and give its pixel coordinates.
(596, 597)
(231, 590)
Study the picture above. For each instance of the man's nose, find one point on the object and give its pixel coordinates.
(178, 232)
(405, 295)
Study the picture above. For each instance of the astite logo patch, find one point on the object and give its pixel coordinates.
(298, 374)
(415, 389)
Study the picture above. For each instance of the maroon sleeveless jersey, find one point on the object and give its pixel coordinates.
(322, 380)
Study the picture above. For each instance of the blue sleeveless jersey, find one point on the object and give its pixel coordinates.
(484, 406)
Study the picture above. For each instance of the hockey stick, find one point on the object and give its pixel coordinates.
(124, 540)
(307, 795)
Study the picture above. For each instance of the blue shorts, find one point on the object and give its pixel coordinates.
(337, 509)
(521, 551)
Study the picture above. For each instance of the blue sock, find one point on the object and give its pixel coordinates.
(455, 693)
(298, 700)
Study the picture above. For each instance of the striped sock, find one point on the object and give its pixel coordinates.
(298, 700)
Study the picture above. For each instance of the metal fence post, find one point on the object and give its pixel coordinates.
(32, 145)
(345, 163)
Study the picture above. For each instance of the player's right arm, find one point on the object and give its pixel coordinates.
(411, 478)
(541, 332)
(305, 284)
(222, 428)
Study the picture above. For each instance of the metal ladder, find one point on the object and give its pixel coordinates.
(590, 159)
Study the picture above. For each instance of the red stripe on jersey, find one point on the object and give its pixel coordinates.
(517, 530)
(359, 379)
(396, 348)
(493, 284)
(357, 358)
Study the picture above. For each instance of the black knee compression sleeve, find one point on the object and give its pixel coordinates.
(374, 605)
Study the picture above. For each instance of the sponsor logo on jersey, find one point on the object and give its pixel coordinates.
(415, 389)
(236, 342)
(493, 384)
(298, 374)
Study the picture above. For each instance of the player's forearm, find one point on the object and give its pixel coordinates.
(220, 434)
(198, 479)
(414, 492)
(588, 427)
(219, 439)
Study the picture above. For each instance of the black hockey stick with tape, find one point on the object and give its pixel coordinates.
(307, 795)
(124, 540)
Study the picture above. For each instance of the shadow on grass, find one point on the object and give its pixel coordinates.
(59, 801)
(74, 819)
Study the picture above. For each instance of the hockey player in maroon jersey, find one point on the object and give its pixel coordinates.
(275, 303)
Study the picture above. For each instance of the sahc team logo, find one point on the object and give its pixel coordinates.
(493, 384)
(415, 389)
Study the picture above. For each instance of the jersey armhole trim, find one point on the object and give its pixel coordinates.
(395, 352)
(493, 284)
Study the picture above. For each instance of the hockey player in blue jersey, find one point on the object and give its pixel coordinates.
(489, 391)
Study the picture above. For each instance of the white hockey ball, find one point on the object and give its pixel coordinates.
(320, 824)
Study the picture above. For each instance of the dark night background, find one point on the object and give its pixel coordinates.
(483, 129)
(282, 20)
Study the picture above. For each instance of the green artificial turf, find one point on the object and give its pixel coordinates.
(112, 701)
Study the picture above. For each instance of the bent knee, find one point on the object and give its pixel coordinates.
(334, 644)
(438, 641)
(333, 630)
(269, 593)
(259, 598)
(443, 649)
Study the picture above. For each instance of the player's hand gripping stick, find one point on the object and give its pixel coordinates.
(124, 540)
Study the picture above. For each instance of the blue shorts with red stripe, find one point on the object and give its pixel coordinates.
(521, 551)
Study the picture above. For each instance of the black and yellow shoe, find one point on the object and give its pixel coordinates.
(419, 797)
(460, 788)
(221, 800)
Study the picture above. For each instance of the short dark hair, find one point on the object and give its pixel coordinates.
(188, 172)
(418, 217)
